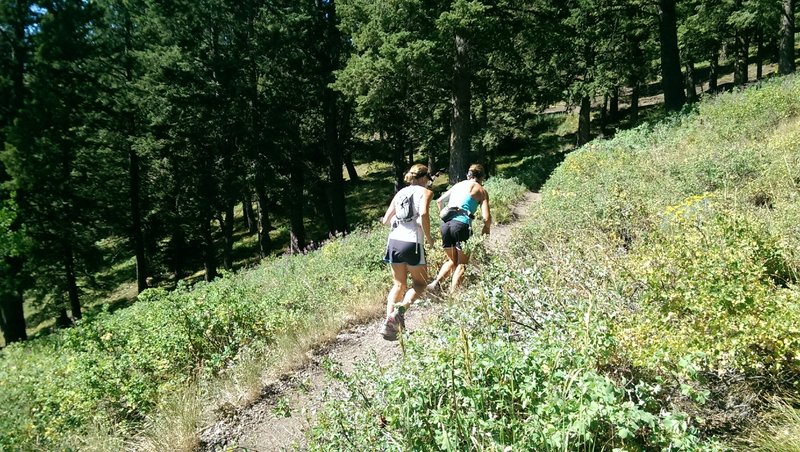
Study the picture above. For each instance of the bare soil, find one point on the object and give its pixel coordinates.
(287, 408)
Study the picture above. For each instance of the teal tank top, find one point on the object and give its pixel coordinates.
(460, 197)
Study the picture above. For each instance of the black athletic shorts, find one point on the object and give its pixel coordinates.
(455, 233)
(409, 253)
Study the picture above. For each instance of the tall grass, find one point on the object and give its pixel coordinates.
(778, 432)
(114, 369)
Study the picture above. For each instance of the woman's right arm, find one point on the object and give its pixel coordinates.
(443, 199)
(387, 217)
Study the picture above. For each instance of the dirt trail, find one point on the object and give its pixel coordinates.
(279, 420)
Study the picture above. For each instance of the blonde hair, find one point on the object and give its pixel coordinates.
(415, 172)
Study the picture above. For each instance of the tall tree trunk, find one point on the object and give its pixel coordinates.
(603, 120)
(72, 283)
(741, 51)
(297, 231)
(759, 55)
(227, 234)
(638, 60)
(264, 224)
(613, 106)
(713, 71)
(134, 165)
(741, 62)
(176, 251)
(335, 176)
(67, 158)
(584, 121)
(483, 121)
(63, 320)
(398, 160)
(346, 140)
(604, 109)
(19, 51)
(786, 63)
(351, 167)
(410, 156)
(691, 89)
(670, 58)
(134, 181)
(322, 202)
(492, 165)
(209, 252)
(460, 133)
(332, 146)
(13, 317)
(250, 221)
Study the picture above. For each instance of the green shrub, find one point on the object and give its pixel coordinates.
(460, 392)
(114, 368)
(712, 285)
(655, 260)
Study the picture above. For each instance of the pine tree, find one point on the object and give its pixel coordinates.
(51, 157)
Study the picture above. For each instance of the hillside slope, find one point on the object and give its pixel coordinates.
(649, 303)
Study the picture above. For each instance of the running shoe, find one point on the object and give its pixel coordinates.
(389, 329)
(393, 324)
(434, 290)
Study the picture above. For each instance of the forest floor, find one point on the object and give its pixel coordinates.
(287, 408)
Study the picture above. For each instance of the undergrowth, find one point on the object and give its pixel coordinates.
(650, 302)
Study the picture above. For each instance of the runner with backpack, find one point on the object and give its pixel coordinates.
(405, 250)
(458, 206)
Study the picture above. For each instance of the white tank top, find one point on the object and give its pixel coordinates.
(410, 231)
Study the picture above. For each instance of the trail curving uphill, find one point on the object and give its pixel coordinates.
(288, 407)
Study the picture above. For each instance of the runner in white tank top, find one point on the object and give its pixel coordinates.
(410, 231)
(405, 251)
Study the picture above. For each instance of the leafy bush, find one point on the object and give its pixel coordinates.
(713, 286)
(114, 368)
(655, 261)
(491, 376)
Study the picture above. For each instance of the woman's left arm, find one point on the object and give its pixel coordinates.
(486, 214)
